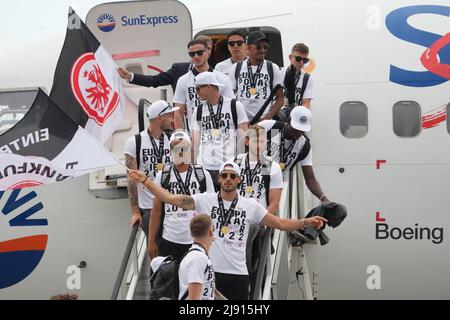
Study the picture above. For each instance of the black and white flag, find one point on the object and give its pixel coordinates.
(86, 84)
(47, 146)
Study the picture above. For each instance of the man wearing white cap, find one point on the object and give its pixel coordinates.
(290, 146)
(220, 124)
(178, 178)
(148, 151)
(231, 215)
(185, 96)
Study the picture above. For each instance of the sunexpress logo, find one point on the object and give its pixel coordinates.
(19, 256)
(145, 20)
(436, 55)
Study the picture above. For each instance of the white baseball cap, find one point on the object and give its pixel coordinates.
(157, 262)
(158, 108)
(230, 166)
(207, 78)
(179, 135)
(301, 119)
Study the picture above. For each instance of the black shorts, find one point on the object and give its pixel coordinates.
(176, 250)
(145, 214)
(233, 286)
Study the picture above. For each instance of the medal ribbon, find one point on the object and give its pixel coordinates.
(184, 186)
(250, 174)
(226, 214)
(159, 152)
(253, 76)
(215, 118)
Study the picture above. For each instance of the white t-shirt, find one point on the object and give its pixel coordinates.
(259, 192)
(216, 149)
(185, 92)
(176, 220)
(227, 252)
(196, 267)
(309, 92)
(224, 66)
(292, 148)
(148, 163)
(253, 103)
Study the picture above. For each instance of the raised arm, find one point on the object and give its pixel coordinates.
(273, 221)
(182, 201)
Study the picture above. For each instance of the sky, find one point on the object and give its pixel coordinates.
(41, 24)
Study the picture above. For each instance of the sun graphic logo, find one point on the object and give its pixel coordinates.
(106, 22)
(23, 238)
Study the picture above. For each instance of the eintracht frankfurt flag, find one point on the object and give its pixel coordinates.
(86, 84)
(47, 146)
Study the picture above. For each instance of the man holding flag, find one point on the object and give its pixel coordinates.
(86, 83)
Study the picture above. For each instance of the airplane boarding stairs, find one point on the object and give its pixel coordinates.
(282, 271)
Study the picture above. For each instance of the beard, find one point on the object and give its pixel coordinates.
(228, 188)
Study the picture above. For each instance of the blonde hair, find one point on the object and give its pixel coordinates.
(199, 225)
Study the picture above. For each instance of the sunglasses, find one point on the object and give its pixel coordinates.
(299, 59)
(261, 46)
(225, 175)
(197, 88)
(198, 52)
(235, 43)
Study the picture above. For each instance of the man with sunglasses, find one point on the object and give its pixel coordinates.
(185, 96)
(297, 83)
(231, 215)
(169, 77)
(219, 123)
(170, 224)
(148, 151)
(254, 79)
(236, 46)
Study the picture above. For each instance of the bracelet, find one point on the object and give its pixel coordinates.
(303, 223)
(143, 182)
(321, 197)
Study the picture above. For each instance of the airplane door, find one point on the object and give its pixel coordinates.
(144, 37)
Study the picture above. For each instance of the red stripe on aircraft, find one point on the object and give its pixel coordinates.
(33, 243)
(138, 54)
(434, 118)
(154, 68)
(430, 59)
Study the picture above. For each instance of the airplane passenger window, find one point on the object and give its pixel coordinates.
(354, 119)
(14, 105)
(407, 119)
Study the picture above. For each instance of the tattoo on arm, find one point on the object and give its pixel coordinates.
(131, 163)
(185, 202)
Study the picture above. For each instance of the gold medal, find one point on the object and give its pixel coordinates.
(249, 189)
(282, 165)
(159, 166)
(252, 91)
(225, 230)
(216, 133)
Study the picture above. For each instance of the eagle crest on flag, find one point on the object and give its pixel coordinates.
(91, 89)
